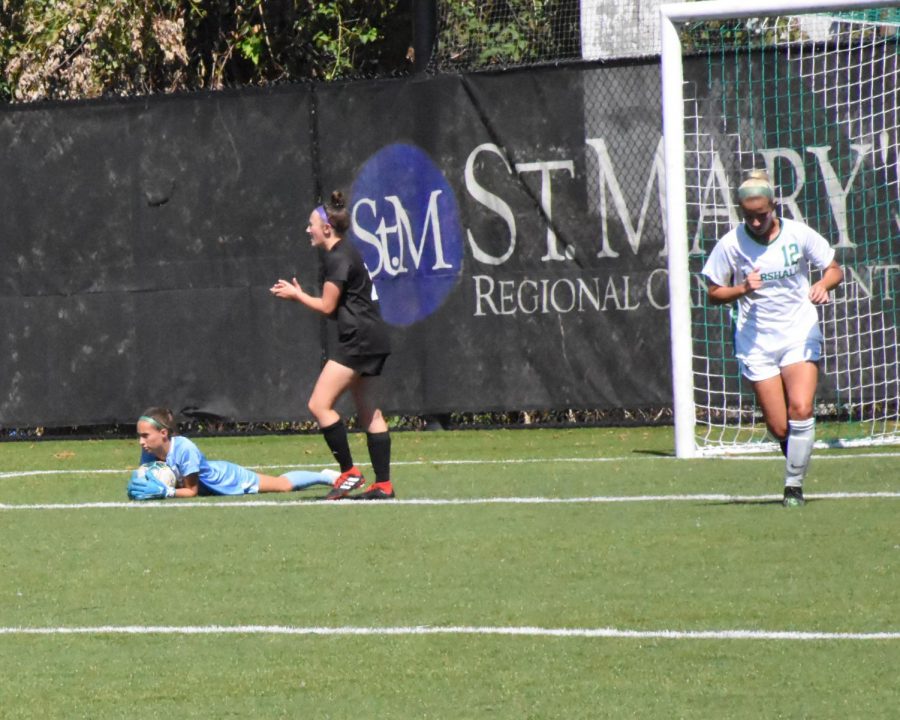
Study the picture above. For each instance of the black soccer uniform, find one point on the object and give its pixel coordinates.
(363, 342)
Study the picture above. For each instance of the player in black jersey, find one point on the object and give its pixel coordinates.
(363, 346)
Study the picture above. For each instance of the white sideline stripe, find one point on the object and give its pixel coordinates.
(316, 466)
(168, 504)
(450, 630)
(474, 461)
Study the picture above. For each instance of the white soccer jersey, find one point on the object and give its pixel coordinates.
(780, 312)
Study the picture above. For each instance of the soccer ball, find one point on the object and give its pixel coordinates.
(159, 471)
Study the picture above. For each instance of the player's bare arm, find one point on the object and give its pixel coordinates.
(819, 292)
(190, 486)
(724, 294)
(327, 304)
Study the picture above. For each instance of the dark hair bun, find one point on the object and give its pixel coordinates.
(337, 200)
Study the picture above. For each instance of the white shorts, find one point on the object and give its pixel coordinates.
(761, 365)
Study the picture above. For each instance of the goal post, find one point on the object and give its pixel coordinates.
(808, 91)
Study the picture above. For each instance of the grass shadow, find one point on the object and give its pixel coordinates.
(743, 501)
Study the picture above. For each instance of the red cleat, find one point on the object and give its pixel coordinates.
(346, 483)
(377, 491)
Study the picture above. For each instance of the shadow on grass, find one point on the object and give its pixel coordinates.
(742, 501)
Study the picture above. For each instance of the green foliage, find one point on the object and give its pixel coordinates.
(507, 32)
(341, 31)
(70, 49)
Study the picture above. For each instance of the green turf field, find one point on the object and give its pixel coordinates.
(539, 574)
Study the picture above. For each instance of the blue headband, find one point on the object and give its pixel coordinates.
(323, 214)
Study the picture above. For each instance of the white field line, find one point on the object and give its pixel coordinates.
(310, 503)
(475, 461)
(452, 630)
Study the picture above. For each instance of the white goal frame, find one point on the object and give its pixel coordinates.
(671, 16)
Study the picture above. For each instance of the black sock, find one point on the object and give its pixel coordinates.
(783, 444)
(336, 437)
(380, 454)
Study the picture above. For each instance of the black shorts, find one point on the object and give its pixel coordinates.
(365, 365)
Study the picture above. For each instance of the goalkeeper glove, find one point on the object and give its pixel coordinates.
(148, 488)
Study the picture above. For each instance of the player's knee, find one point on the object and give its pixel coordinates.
(317, 407)
(778, 430)
(800, 410)
(376, 421)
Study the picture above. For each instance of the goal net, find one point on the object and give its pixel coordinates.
(808, 92)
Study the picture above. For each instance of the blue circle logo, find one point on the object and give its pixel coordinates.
(406, 225)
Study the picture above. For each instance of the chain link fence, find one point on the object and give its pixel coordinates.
(475, 35)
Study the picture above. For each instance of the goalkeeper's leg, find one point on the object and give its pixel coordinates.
(295, 480)
(302, 479)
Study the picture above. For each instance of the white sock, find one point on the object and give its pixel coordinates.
(801, 436)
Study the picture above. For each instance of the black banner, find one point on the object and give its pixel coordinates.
(139, 240)
(512, 223)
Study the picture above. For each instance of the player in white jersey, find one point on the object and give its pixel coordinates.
(199, 476)
(764, 266)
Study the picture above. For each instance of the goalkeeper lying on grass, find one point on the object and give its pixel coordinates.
(196, 475)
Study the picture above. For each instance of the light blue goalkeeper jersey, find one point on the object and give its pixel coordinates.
(216, 476)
